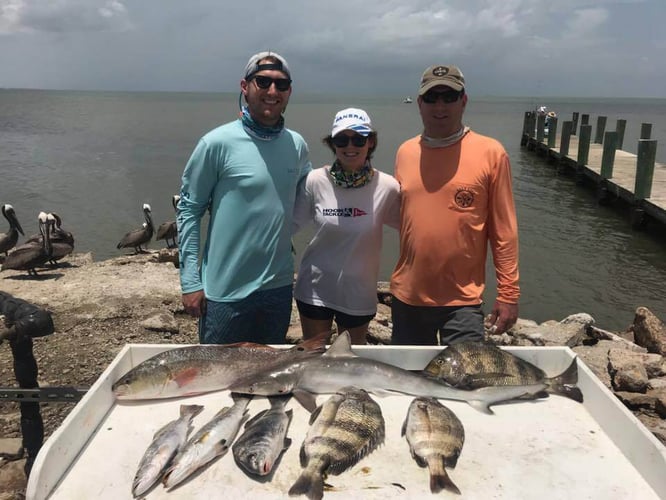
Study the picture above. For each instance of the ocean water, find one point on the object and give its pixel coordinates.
(96, 157)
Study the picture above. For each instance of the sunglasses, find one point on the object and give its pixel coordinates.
(342, 140)
(449, 96)
(264, 82)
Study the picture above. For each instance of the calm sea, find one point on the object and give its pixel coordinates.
(96, 157)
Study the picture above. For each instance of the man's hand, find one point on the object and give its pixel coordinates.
(195, 303)
(502, 317)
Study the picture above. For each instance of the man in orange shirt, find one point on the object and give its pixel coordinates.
(457, 200)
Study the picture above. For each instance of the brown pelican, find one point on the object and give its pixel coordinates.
(141, 236)
(168, 230)
(8, 240)
(29, 256)
(62, 241)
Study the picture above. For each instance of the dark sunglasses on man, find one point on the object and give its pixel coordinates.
(264, 82)
(342, 140)
(448, 96)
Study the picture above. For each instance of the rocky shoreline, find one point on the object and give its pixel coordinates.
(98, 307)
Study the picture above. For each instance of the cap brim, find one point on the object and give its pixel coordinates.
(441, 83)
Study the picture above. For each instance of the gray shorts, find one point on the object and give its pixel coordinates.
(425, 325)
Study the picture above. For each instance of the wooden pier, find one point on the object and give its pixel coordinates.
(635, 179)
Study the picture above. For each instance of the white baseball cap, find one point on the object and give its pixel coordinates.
(352, 119)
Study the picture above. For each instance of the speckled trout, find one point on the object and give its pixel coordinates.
(164, 446)
(339, 367)
(190, 370)
(211, 441)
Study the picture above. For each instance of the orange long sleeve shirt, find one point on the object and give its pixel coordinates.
(455, 201)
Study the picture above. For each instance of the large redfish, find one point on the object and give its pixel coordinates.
(190, 370)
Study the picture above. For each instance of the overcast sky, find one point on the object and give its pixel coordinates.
(606, 48)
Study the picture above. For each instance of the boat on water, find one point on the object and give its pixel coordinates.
(407, 100)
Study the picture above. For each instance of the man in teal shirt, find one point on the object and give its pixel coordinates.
(245, 172)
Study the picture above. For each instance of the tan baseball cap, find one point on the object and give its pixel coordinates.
(440, 74)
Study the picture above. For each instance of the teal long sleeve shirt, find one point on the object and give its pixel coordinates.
(249, 185)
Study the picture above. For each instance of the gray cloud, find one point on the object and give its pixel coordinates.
(514, 47)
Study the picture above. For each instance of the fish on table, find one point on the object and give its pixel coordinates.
(264, 438)
(474, 364)
(339, 367)
(343, 430)
(196, 369)
(211, 441)
(435, 436)
(164, 446)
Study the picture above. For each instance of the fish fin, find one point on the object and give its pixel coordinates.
(564, 384)
(192, 410)
(279, 401)
(255, 418)
(307, 399)
(287, 443)
(186, 376)
(403, 429)
(568, 391)
(314, 344)
(341, 347)
(314, 414)
(310, 484)
(439, 479)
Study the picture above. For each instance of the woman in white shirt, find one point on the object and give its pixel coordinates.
(348, 202)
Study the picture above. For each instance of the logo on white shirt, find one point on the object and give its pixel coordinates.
(343, 212)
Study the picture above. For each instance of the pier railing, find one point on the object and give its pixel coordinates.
(617, 174)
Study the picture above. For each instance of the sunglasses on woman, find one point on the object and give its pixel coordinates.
(449, 96)
(264, 82)
(342, 140)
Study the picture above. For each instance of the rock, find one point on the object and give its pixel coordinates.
(162, 322)
(636, 401)
(580, 318)
(649, 331)
(596, 359)
(627, 371)
(655, 425)
(12, 480)
(657, 383)
(558, 334)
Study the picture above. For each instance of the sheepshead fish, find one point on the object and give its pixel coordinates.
(473, 364)
(264, 438)
(166, 442)
(209, 442)
(340, 367)
(435, 436)
(190, 370)
(346, 428)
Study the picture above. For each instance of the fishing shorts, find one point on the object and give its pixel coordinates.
(262, 317)
(420, 325)
(326, 313)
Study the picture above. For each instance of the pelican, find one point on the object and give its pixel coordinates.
(169, 230)
(141, 236)
(29, 256)
(62, 241)
(8, 240)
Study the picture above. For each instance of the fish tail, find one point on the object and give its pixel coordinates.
(565, 383)
(309, 483)
(439, 479)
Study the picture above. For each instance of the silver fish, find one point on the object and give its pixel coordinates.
(339, 367)
(209, 442)
(264, 438)
(346, 428)
(473, 364)
(196, 369)
(435, 436)
(162, 449)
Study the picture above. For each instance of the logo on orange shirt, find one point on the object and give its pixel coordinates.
(464, 197)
